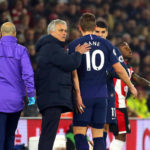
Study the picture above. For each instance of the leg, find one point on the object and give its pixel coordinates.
(111, 115)
(80, 138)
(106, 129)
(98, 139)
(121, 137)
(80, 124)
(98, 121)
(118, 142)
(120, 130)
(3, 119)
(12, 122)
(50, 122)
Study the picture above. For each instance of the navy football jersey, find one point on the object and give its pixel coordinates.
(110, 82)
(92, 71)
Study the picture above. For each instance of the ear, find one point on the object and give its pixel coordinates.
(79, 27)
(106, 33)
(51, 32)
(95, 28)
(14, 34)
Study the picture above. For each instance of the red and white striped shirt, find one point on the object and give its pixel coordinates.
(121, 90)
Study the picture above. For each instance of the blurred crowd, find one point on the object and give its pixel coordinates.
(128, 20)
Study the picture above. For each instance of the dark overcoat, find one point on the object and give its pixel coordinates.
(53, 78)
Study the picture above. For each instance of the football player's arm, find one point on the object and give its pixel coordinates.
(79, 102)
(124, 77)
(76, 82)
(113, 74)
(140, 81)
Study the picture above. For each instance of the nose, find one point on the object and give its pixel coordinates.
(100, 34)
(64, 32)
(131, 53)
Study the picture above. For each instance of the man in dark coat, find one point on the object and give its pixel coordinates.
(54, 82)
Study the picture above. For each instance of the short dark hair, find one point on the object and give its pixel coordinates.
(101, 24)
(87, 22)
(122, 44)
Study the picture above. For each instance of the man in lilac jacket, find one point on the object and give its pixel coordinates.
(16, 78)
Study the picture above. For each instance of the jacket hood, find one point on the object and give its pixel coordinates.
(47, 39)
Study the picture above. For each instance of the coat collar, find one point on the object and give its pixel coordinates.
(56, 41)
(9, 39)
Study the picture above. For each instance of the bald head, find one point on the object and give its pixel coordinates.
(8, 28)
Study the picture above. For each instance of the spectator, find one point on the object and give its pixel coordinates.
(72, 13)
(4, 17)
(126, 37)
(135, 62)
(29, 36)
(139, 104)
(131, 27)
(41, 25)
(17, 11)
(146, 64)
(4, 10)
(37, 10)
(32, 53)
(24, 23)
(74, 34)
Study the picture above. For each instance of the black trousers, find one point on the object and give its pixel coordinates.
(50, 122)
(8, 125)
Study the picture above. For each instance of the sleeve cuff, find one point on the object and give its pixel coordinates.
(78, 53)
(32, 94)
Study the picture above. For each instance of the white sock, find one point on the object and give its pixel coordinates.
(116, 145)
